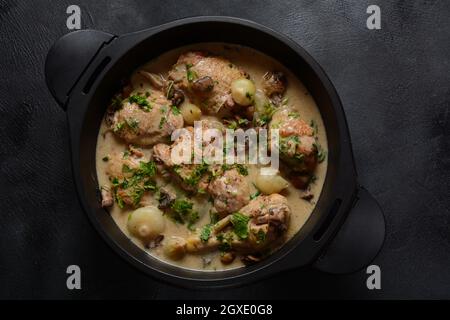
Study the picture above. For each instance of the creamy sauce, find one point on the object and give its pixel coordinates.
(255, 64)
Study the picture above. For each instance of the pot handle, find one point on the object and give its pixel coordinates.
(67, 59)
(359, 239)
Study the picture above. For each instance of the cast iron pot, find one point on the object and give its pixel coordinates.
(83, 70)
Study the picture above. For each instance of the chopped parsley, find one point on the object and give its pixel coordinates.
(313, 125)
(136, 195)
(175, 110)
(134, 186)
(255, 195)
(225, 241)
(321, 154)
(119, 200)
(266, 116)
(119, 126)
(205, 233)
(126, 169)
(190, 74)
(260, 236)
(182, 206)
(182, 211)
(150, 185)
(141, 101)
(115, 182)
(226, 167)
(132, 123)
(293, 115)
(240, 227)
(147, 168)
(233, 124)
(162, 121)
(196, 174)
(299, 157)
(242, 169)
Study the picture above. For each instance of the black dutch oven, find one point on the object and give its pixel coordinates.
(83, 70)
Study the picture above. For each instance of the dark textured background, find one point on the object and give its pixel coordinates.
(394, 84)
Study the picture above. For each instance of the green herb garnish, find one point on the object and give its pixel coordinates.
(240, 227)
(141, 101)
(260, 236)
(255, 195)
(132, 123)
(175, 110)
(205, 234)
(196, 175)
(190, 74)
(321, 154)
(293, 115)
(126, 169)
(147, 168)
(119, 126)
(242, 169)
(135, 186)
(314, 125)
(225, 241)
(162, 121)
(182, 211)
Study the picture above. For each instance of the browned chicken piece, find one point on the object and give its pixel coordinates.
(228, 188)
(145, 118)
(230, 192)
(297, 144)
(122, 166)
(120, 160)
(267, 219)
(191, 177)
(268, 215)
(206, 79)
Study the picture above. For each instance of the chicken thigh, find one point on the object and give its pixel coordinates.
(297, 144)
(145, 118)
(206, 79)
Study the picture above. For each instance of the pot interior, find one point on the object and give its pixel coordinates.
(123, 56)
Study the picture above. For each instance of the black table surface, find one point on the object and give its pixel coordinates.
(394, 85)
